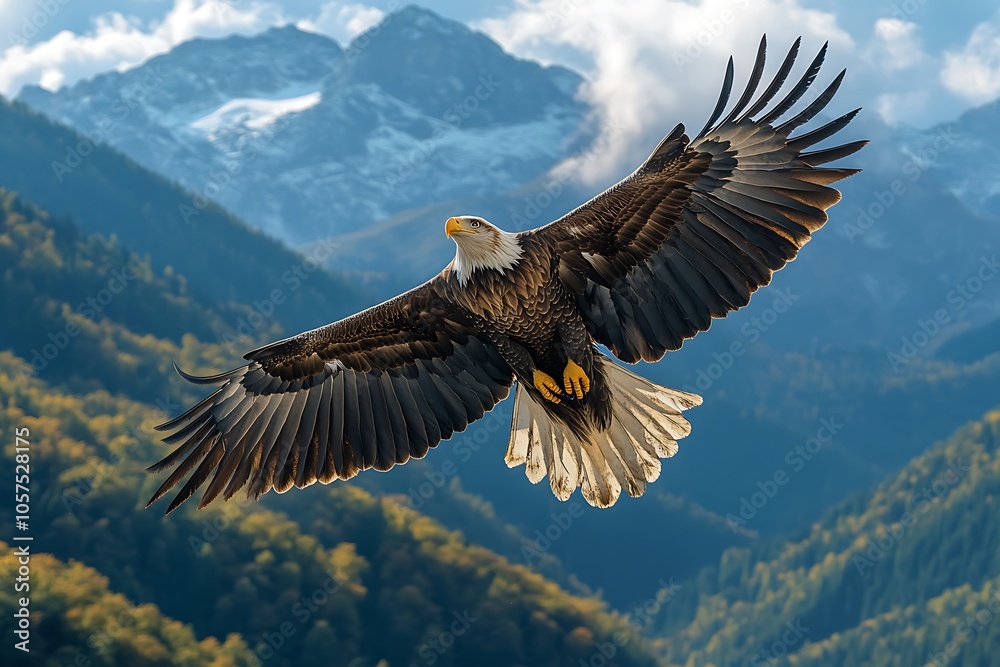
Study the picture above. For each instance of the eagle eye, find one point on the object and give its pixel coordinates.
(476, 224)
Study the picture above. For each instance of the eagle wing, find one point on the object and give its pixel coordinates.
(369, 391)
(693, 232)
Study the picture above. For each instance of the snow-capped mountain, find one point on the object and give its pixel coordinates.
(305, 139)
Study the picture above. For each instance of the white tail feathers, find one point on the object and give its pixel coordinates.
(646, 423)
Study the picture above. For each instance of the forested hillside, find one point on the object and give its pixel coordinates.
(370, 569)
(896, 576)
(81, 621)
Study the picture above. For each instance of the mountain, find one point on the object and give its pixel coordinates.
(963, 155)
(226, 265)
(210, 587)
(81, 618)
(367, 149)
(415, 552)
(907, 573)
(304, 139)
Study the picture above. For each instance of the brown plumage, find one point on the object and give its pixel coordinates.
(688, 237)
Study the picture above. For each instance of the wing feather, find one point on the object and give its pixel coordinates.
(776, 83)
(211, 460)
(397, 419)
(251, 458)
(383, 443)
(752, 82)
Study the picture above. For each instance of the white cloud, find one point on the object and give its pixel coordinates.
(893, 61)
(897, 45)
(119, 42)
(974, 72)
(116, 41)
(652, 63)
(343, 20)
(895, 108)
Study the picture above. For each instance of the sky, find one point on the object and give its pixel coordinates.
(911, 62)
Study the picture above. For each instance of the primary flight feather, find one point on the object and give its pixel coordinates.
(687, 237)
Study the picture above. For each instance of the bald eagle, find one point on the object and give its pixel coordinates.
(687, 237)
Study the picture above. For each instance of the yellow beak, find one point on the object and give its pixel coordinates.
(453, 226)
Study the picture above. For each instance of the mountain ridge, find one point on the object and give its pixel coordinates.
(302, 138)
(930, 532)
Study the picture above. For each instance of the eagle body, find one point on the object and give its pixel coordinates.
(686, 238)
(527, 312)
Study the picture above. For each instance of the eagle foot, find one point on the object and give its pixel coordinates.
(548, 387)
(575, 380)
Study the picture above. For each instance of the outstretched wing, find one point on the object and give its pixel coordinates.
(369, 391)
(693, 232)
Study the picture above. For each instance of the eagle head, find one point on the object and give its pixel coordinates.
(481, 246)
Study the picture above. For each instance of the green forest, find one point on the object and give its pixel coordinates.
(892, 576)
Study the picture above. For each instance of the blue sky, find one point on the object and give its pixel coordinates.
(649, 63)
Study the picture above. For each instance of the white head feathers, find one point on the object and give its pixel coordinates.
(481, 246)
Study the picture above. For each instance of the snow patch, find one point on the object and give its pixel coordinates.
(253, 113)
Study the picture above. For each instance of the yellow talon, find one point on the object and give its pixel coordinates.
(547, 386)
(575, 381)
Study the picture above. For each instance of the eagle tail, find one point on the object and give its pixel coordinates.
(646, 423)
